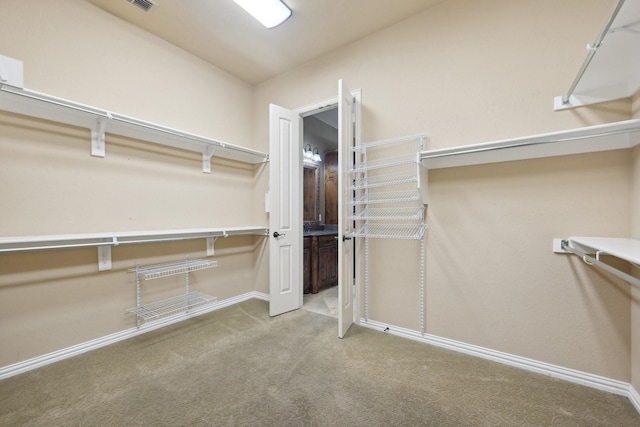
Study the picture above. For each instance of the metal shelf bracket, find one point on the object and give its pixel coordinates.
(97, 136)
(211, 243)
(206, 158)
(104, 258)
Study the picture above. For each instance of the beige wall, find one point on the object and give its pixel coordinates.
(51, 185)
(468, 72)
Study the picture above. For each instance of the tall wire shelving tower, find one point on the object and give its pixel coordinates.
(388, 200)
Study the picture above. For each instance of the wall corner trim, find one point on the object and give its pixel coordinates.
(578, 377)
(65, 353)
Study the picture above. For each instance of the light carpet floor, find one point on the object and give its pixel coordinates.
(239, 367)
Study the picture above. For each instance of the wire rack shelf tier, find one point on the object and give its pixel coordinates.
(413, 213)
(157, 271)
(397, 178)
(406, 159)
(388, 197)
(392, 231)
(418, 139)
(167, 307)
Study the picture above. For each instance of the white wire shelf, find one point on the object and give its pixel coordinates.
(167, 307)
(418, 139)
(388, 162)
(392, 231)
(187, 265)
(413, 213)
(388, 197)
(397, 178)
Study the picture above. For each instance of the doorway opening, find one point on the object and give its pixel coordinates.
(320, 210)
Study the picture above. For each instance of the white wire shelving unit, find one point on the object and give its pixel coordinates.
(170, 306)
(388, 200)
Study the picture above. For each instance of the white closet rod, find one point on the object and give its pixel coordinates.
(591, 51)
(597, 263)
(426, 154)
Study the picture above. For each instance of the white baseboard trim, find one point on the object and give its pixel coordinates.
(65, 353)
(634, 397)
(571, 375)
(260, 295)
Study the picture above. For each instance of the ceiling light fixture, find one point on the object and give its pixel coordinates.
(270, 13)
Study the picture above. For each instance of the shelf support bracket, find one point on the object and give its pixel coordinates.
(104, 258)
(97, 137)
(206, 158)
(210, 245)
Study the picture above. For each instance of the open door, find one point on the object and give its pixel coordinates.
(345, 225)
(285, 217)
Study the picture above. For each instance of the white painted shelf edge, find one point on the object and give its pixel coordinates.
(590, 249)
(623, 248)
(605, 137)
(100, 121)
(610, 68)
(105, 241)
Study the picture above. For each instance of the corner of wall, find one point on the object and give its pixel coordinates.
(635, 233)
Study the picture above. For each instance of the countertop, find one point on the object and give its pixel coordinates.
(327, 231)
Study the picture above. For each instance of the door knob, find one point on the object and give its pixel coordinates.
(345, 237)
(276, 234)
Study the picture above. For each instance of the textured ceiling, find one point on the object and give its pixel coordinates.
(221, 33)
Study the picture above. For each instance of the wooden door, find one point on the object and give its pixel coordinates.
(331, 187)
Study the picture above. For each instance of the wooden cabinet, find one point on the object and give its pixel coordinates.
(331, 187)
(320, 257)
(306, 262)
(327, 261)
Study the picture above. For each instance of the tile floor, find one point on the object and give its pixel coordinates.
(324, 302)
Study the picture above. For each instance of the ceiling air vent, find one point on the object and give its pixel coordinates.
(145, 5)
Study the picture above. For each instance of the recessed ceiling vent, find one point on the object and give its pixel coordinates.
(145, 5)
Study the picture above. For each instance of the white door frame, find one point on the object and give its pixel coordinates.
(310, 110)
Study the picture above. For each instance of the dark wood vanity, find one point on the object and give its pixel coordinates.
(320, 253)
(320, 256)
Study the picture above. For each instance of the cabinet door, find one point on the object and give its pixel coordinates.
(333, 266)
(328, 261)
(331, 187)
(306, 262)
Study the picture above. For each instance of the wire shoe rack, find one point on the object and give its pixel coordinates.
(170, 306)
(387, 201)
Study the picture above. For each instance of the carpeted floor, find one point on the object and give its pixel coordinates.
(238, 367)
